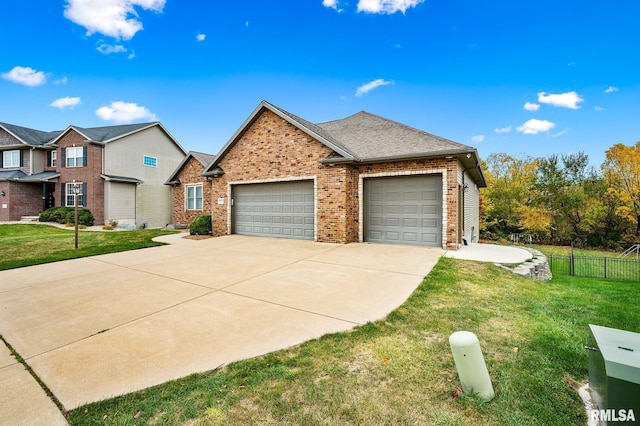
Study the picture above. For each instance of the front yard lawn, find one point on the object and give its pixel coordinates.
(400, 370)
(24, 245)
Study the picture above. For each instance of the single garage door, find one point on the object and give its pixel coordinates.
(283, 209)
(403, 210)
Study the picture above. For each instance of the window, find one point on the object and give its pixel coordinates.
(53, 158)
(70, 196)
(75, 157)
(11, 159)
(194, 197)
(150, 161)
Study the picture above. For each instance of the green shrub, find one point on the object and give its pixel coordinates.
(201, 225)
(66, 215)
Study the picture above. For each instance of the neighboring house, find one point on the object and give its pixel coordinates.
(122, 170)
(362, 178)
(191, 190)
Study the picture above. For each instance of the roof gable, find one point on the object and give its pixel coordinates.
(311, 129)
(365, 138)
(27, 136)
(106, 134)
(200, 157)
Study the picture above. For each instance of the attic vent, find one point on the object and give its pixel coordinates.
(150, 161)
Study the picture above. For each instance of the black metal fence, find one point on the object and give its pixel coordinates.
(595, 267)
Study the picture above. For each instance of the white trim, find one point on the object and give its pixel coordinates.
(442, 172)
(151, 159)
(4, 159)
(276, 180)
(186, 197)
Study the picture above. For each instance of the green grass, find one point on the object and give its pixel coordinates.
(591, 263)
(399, 370)
(25, 245)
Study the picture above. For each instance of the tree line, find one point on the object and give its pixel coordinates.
(562, 199)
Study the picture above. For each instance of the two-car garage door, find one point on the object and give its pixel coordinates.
(403, 210)
(399, 209)
(282, 209)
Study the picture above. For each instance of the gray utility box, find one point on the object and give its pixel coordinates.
(614, 369)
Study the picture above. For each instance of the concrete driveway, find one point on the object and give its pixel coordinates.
(102, 326)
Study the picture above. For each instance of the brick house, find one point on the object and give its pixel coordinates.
(191, 190)
(361, 178)
(122, 170)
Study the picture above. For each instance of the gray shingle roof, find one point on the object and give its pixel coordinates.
(21, 176)
(107, 133)
(314, 128)
(202, 158)
(365, 138)
(31, 137)
(370, 137)
(11, 174)
(35, 137)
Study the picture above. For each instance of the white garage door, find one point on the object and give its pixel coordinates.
(283, 209)
(403, 210)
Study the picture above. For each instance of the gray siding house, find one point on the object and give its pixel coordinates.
(122, 170)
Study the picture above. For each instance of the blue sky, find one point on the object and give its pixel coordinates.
(532, 78)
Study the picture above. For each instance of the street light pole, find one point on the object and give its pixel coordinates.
(76, 190)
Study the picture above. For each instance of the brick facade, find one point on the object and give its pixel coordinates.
(19, 200)
(272, 150)
(89, 174)
(190, 175)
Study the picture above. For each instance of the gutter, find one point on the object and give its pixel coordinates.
(404, 157)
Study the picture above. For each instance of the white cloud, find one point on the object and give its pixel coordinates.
(108, 49)
(123, 112)
(62, 81)
(533, 127)
(565, 100)
(598, 108)
(564, 132)
(386, 6)
(333, 4)
(25, 75)
(66, 102)
(529, 106)
(201, 37)
(365, 88)
(113, 18)
(503, 130)
(611, 89)
(477, 138)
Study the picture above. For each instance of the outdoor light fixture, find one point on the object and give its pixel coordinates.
(75, 190)
(3, 193)
(465, 187)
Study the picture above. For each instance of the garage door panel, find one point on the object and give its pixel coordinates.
(403, 209)
(283, 209)
(411, 237)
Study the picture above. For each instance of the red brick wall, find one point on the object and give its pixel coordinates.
(89, 174)
(190, 174)
(273, 150)
(21, 199)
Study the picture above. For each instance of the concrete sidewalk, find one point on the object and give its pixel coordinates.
(102, 326)
(491, 253)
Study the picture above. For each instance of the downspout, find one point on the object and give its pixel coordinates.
(464, 171)
(31, 160)
(464, 229)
